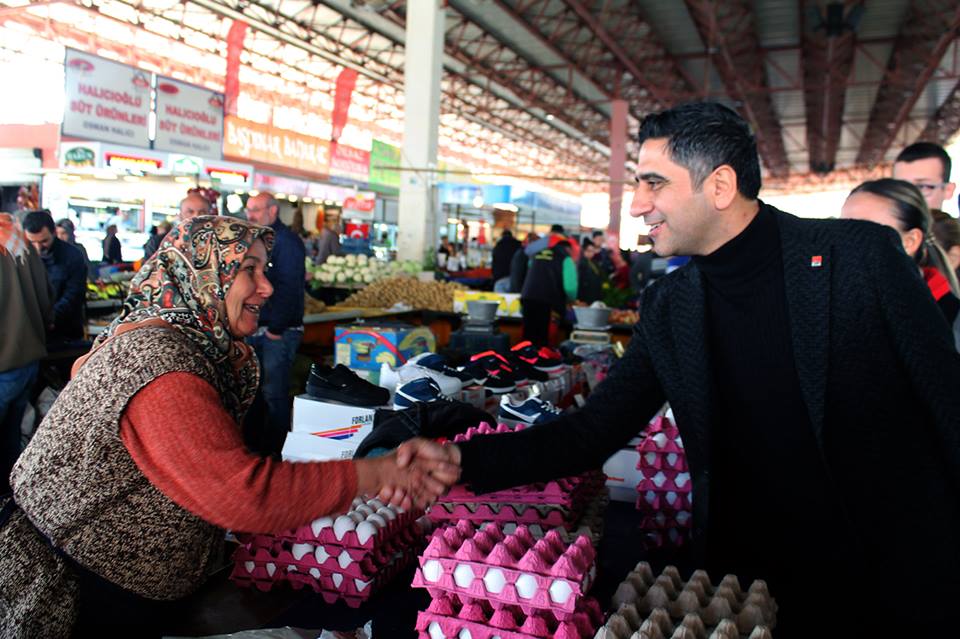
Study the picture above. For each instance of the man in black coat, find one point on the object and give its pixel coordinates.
(503, 253)
(814, 383)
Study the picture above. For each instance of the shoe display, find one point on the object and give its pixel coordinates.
(501, 377)
(544, 358)
(422, 389)
(476, 372)
(524, 368)
(391, 378)
(340, 384)
(437, 363)
(532, 410)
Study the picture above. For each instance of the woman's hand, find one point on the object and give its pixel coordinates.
(405, 485)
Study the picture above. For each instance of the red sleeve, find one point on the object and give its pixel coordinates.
(191, 449)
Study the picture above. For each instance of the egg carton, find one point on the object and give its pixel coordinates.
(659, 626)
(669, 537)
(486, 429)
(307, 556)
(366, 525)
(662, 521)
(640, 596)
(561, 492)
(664, 500)
(512, 569)
(660, 423)
(448, 617)
(661, 442)
(659, 460)
(674, 480)
(543, 515)
(590, 524)
(331, 586)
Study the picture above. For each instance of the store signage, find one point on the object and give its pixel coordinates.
(264, 143)
(132, 162)
(106, 100)
(228, 176)
(349, 162)
(189, 118)
(185, 164)
(81, 157)
(384, 164)
(363, 203)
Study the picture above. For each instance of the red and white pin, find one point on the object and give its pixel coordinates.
(816, 261)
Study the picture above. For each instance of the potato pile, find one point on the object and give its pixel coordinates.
(434, 296)
(312, 305)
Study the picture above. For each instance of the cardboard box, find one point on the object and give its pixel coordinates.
(622, 475)
(509, 302)
(366, 347)
(305, 447)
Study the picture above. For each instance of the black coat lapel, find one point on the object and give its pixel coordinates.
(806, 274)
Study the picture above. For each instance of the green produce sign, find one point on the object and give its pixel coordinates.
(384, 162)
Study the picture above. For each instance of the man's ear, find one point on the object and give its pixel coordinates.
(721, 186)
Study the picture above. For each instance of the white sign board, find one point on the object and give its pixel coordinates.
(106, 100)
(189, 119)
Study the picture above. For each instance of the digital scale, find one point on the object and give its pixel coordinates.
(597, 335)
(479, 335)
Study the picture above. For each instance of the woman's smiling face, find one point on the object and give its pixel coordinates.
(248, 292)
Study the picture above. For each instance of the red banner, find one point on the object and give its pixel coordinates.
(357, 231)
(346, 81)
(231, 86)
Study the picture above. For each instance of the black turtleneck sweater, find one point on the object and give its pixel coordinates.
(771, 508)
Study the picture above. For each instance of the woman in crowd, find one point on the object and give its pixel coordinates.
(947, 231)
(67, 232)
(121, 499)
(590, 277)
(901, 206)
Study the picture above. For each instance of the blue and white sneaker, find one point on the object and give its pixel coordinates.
(533, 410)
(422, 389)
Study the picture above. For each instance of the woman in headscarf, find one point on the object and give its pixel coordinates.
(123, 493)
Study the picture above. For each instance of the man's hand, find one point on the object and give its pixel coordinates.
(405, 486)
(439, 463)
(272, 336)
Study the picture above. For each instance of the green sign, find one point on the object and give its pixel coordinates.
(384, 162)
(79, 156)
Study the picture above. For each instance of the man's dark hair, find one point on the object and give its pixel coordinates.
(35, 221)
(597, 233)
(506, 233)
(557, 228)
(702, 136)
(924, 150)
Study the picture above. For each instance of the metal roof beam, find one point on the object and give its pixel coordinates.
(827, 63)
(945, 123)
(727, 30)
(930, 27)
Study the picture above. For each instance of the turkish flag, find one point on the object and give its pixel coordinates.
(346, 81)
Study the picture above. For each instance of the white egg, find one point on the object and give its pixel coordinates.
(365, 530)
(249, 565)
(560, 591)
(319, 524)
(435, 631)
(357, 516)
(365, 510)
(299, 550)
(361, 585)
(271, 568)
(342, 526)
(494, 580)
(321, 555)
(464, 634)
(315, 573)
(463, 575)
(387, 513)
(377, 520)
(337, 579)
(432, 570)
(526, 586)
(344, 559)
(376, 504)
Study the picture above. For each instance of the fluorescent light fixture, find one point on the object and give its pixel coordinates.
(306, 200)
(280, 196)
(183, 179)
(254, 193)
(452, 220)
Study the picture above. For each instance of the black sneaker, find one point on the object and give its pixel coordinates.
(501, 377)
(341, 384)
(436, 363)
(524, 369)
(478, 374)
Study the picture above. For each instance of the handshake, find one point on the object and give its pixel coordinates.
(415, 474)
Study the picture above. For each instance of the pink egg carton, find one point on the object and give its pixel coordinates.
(664, 480)
(448, 617)
(343, 564)
(662, 521)
(515, 569)
(543, 515)
(366, 525)
(660, 460)
(664, 500)
(486, 429)
(661, 423)
(561, 492)
(661, 442)
(671, 537)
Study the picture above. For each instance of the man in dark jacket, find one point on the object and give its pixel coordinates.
(550, 284)
(281, 318)
(67, 274)
(502, 257)
(814, 383)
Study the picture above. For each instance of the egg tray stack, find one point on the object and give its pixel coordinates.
(665, 496)
(485, 583)
(548, 505)
(590, 524)
(348, 558)
(668, 608)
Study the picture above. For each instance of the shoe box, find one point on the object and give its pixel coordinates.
(623, 477)
(366, 347)
(326, 430)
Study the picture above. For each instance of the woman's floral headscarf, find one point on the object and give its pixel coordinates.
(185, 284)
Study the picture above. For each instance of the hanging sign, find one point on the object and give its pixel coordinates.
(189, 119)
(105, 100)
(349, 162)
(264, 143)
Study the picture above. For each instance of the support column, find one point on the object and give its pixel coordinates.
(423, 65)
(618, 164)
